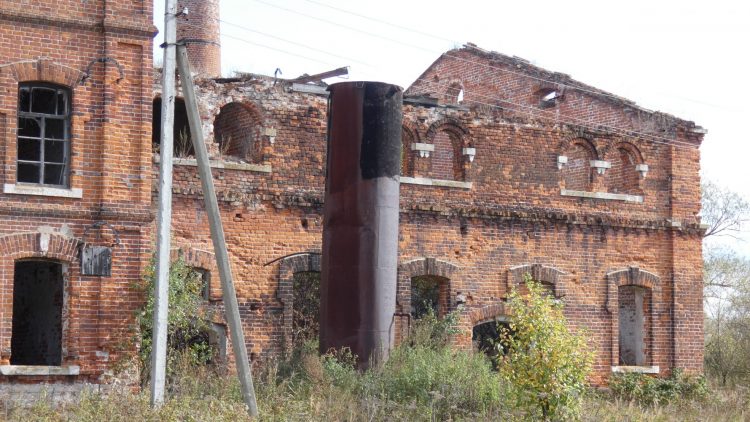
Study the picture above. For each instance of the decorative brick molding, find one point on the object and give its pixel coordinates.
(288, 267)
(44, 69)
(538, 272)
(631, 276)
(426, 266)
(194, 257)
(487, 313)
(38, 245)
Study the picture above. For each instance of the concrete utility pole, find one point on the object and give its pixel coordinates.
(217, 234)
(159, 346)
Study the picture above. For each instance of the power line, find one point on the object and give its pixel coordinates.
(447, 54)
(532, 111)
(351, 28)
(535, 112)
(294, 43)
(370, 18)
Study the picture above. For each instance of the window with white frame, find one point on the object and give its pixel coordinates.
(43, 134)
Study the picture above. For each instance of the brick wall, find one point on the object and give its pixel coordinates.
(474, 224)
(512, 216)
(100, 51)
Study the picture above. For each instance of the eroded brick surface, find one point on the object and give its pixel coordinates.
(474, 225)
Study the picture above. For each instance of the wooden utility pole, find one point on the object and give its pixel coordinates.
(161, 293)
(232, 310)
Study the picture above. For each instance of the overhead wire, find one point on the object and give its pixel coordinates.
(447, 54)
(525, 109)
(309, 47)
(268, 47)
(535, 112)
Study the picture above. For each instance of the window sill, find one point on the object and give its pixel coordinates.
(21, 189)
(636, 369)
(220, 164)
(14, 370)
(603, 195)
(435, 182)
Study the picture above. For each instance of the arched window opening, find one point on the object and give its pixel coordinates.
(306, 307)
(446, 163)
(623, 177)
(635, 323)
(43, 134)
(237, 132)
(181, 141)
(577, 172)
(407, 164)
(485, 338)
(38, 300)
(429, 294)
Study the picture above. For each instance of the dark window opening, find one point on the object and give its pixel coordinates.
(181, 141)
(43, 134)
(485, 338)
(429, 294)
(306, 307)
(205, 277)
(36, 337)
(634, 321)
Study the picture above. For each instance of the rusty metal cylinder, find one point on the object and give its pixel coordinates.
(360, 227)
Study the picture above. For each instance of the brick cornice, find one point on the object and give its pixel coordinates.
(66, 211)
(143, 30)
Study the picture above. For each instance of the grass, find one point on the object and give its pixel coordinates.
(312, 388)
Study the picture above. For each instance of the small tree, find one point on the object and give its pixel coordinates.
(546, 363)
(187, 323)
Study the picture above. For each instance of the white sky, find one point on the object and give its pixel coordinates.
(688, 58)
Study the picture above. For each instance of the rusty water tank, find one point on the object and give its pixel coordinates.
(360, 227)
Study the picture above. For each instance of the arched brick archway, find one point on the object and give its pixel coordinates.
(448, 137)
(288, 267)
(487, 313)
(414, 268)
(205, 262)
(27, 246)
(539, 272)
(631, 276)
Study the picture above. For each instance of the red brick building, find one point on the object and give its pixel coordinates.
(508, 169)
(75, 159)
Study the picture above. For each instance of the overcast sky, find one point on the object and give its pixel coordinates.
(687, 58)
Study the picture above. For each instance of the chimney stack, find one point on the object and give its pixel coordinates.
(201, 28)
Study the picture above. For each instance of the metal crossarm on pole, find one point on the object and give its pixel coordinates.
(217, 234)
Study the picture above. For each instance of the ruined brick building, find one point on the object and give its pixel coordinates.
(507, 169)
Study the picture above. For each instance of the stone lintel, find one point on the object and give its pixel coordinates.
(603, 195)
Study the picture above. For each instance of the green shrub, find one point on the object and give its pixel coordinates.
(546, 363)
(187, 323)
(649, 390)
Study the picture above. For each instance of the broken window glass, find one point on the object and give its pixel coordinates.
(43, 137)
